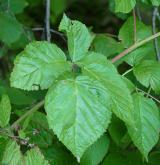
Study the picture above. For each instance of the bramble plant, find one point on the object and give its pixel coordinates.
(91, 109)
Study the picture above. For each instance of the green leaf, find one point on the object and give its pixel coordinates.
(12, 154)
(154, 158)
(78, 111)
(17, 6)
(35, 157)
(123, 158)
(58, 155)
(147, 51)
(3, 142)
(14, 6)
(38, 131)
(11, 29)
(148, 73)
(126, 33)
(124, 6)
(5, 111)
(16, 96)
(38, 66)
(95, 153)
(145, 134)
(103, 71)
(58, 6)
(79, 38)
(129, 84)
(117, 130)
(114, 159)
(106, 45)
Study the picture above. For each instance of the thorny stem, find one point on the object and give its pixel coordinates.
(135, 46)
(31, 111)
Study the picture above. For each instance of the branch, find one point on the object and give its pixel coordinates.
(51, 30)
(47, 21)
(32, 110)
(135, 46)
(155, 11)
(135, 26)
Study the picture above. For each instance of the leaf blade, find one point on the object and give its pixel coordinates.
(104, 71)
(5, 111)
(124, 6)
(79, 38)
(145, 134)
(80, 118)
(35, 157)
(38, 66)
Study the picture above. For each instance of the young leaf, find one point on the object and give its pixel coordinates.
(145, 134)
(34, 157)
(106, 74)
(5, 111)
(12, 154)
(78, 111)
(148, 73)
(124, 6)
(96, 152)
(38, 66)
(79, 38)
(11, 29)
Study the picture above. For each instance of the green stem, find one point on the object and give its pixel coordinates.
(128, 71)
(149, 90)
(135, 46)
(149, 95)
(32, 110)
